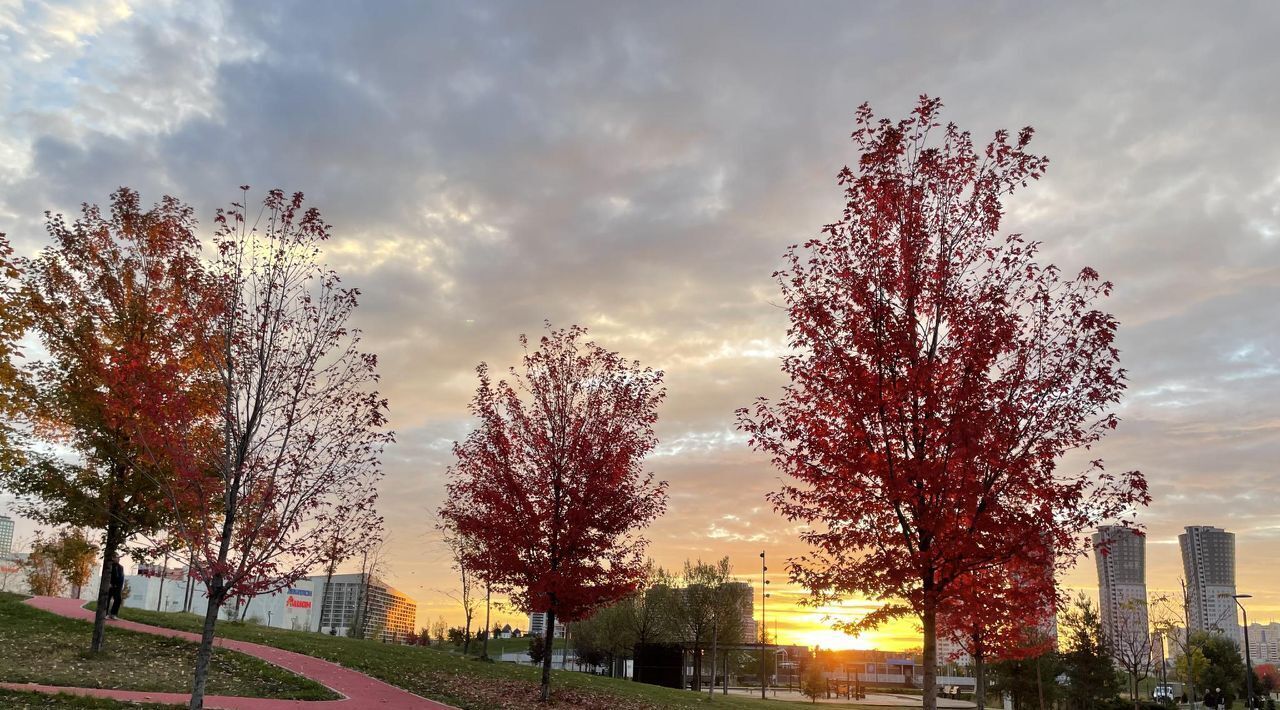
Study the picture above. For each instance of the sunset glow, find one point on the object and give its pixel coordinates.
(640, 170)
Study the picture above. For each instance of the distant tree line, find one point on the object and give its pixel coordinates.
(701, 606)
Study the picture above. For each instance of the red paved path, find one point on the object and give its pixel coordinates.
(360, 690)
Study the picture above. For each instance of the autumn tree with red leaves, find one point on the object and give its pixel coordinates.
(302, 427)
(15, 387)
(115, 303)
(549, 489)
(938, 373)
(1001, 613)
(1268, 678)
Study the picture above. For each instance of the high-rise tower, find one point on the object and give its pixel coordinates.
(1121, 554)
(1209, 563)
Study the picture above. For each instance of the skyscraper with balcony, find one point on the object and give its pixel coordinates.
(1209, 563)
(1121, 556)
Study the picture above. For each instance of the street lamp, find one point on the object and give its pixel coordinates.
(1164, 672)
(1248, 662)
(764, 594)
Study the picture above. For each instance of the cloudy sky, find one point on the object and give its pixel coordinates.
(639, 168)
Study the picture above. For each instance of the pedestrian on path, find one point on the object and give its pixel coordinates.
(117, 588)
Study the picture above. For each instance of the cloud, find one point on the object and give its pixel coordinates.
(640, 169)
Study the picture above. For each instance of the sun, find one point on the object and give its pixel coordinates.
(833, 640)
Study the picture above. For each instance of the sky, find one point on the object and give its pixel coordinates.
(639, 169)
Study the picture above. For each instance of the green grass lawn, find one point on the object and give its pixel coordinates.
(463, 682)
(39, 647)
(16, 699)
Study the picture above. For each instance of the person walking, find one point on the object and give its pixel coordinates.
(114, 597)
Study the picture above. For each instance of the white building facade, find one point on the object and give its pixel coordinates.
(6, 534)
(167, 589)
(301, 606)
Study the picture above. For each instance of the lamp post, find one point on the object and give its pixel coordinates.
(764, 628)
(1164, 666)
(1248, 662)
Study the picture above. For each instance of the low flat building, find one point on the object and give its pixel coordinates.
(168, 589)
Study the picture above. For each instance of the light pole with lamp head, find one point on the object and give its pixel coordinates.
(764, 629)
(1248, 662)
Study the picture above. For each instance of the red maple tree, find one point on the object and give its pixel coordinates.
(1268, 678)
(301, 427)
(549, 489)
(115, 301)
(938, 373)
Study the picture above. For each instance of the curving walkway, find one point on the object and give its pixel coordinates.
(359, 690)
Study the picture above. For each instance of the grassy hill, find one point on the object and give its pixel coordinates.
(464, 682)
(39, 647)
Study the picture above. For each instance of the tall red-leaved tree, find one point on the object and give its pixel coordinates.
(938, 373)
(302, 425)
(549, 489)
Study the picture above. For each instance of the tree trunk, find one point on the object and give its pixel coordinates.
(203, 656)
(549, 640)
(929, 688)
(163, 572)
(363, 631)
(1040, 682)
(979, 681)
(466, 636)
(695, 681)
(189, 592)
(104, 583)
(488, 629)
(324, 598)
(715, 634)
(725, 687)
(217, 587)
